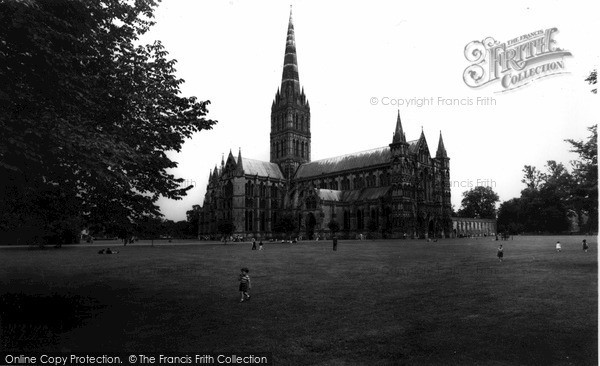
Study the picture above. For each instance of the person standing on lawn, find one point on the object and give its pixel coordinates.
(245, 285)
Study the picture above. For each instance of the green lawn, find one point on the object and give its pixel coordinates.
(371, 302)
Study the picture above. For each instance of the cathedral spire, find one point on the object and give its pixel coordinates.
(290, 75)
(215, 176)
(290, 114)
(399, 133)
(441, 150)
(239, 168)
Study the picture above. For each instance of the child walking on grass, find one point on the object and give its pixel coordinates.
(244, 279)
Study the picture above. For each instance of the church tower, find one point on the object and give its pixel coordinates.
(290, 114)
(444, 169)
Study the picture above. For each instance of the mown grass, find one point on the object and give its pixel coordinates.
(370, 302)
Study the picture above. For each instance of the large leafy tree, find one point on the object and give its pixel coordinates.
(286, 224)
(544, 203)
(193, 220)
(585, 180)
(479, 202)
(87, 116)
(510, 216)
(550, 200)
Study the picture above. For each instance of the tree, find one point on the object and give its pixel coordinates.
(286, 225)
(479, 202)
(226, 228)
(311, 222)
(585, 176)
(544, 203)
(592, 79)
(149, 228)
(333, 226)
(87, 115)
(372, 225)
(193, 221)
(532, 177)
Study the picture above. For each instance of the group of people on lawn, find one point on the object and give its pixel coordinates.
(584, 246)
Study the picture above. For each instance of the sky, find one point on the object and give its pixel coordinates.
(360, 62)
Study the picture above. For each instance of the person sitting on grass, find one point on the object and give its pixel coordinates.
(245, 285)
(107, 251)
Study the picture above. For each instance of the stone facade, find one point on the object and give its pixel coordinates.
(464, 227)
(398, 190)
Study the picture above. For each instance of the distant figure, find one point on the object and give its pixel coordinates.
(500, 252)
(244, 279)
(584, 245)
(260, 245)
(558, 246)
(253, 244)
(335, 243)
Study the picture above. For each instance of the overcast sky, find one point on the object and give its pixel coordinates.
(349, 53)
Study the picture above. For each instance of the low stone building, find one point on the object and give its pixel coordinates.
(462, 227)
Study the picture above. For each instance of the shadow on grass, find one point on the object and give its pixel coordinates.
(31, 321)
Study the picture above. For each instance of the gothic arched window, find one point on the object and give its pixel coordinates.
(311, 203)
(345, 183)
(346, 220)
(358, 183)
(359, 220)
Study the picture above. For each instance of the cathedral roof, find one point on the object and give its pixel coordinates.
(336, 164)
(365, 194)
(261, 168)
(413, 146)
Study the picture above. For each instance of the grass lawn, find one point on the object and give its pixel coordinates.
(371, 302)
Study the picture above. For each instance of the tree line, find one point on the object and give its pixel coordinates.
(554, 200)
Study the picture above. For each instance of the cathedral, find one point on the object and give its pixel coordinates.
(395, 191)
